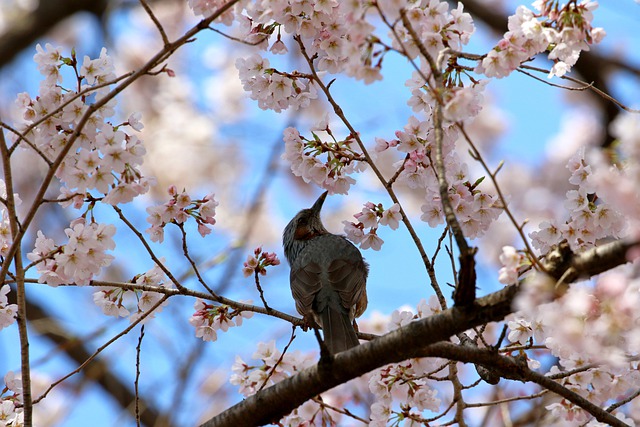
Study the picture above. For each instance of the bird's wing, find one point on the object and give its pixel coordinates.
(305, 284)
(348, 278)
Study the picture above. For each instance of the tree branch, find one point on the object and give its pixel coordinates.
(408, 342)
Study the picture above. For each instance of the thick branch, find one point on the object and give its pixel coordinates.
(509, 367)
(404, 343)
(273, 403)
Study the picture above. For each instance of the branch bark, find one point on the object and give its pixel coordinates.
(410, 341)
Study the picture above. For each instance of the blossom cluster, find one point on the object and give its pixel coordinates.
(511, 261)
(590, 217)
(439, 30)
(332, 174)
(104, 158)
(77, 261)
(206, 8)
(338, 35)
(437, 27)
(273, 366)
(619, 182)
(11, 414)
(372, 216)
(399, 390)
(591, 329)
(403, 391)
(114, 301)
(210, 318)
(405, 381)
(565, 30)
(272, 89)
(258, 262)
(178, 210)
(475, 209)
(8, 311)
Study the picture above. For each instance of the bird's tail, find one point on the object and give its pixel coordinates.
(338, 331)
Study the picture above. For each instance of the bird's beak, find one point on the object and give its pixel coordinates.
(317, 206)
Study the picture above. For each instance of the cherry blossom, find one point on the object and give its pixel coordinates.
(257, 263)
(77, 261)
(178, 210)
(511, 261)
(372, 216)
(8, 311)
(106, 162)
(589, 217)
(342, 159)
(208, 319)
(566, 30)
(391, 217)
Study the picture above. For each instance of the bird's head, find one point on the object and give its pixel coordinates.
(304, 226)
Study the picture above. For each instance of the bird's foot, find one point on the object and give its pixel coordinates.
(309, 323)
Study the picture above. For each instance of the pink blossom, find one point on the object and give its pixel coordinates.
(353, 231)
(520, 331)
(510, 260)
(371, 240)
(367, 217)
(8, 312)
(391, 217)
(134, 121)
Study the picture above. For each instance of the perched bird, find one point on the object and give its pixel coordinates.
(328, 277)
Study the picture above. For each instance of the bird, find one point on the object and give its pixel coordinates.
(328, 277)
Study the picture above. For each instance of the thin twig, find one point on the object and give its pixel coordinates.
(587, 85)
(202, 295)
(405, 219)
(439, 245)
(156, 22)
(131, 77)
(185, 251)
(137, 380)
(257, 281)
(343, 411)
(284, 351)
(236, 39)
(547, 82)
(395, 176)
(493, 176)
(566, 374)
(101, 348)
(508, 399)
(622, 402)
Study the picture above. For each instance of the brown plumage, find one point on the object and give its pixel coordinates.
(328, 277)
